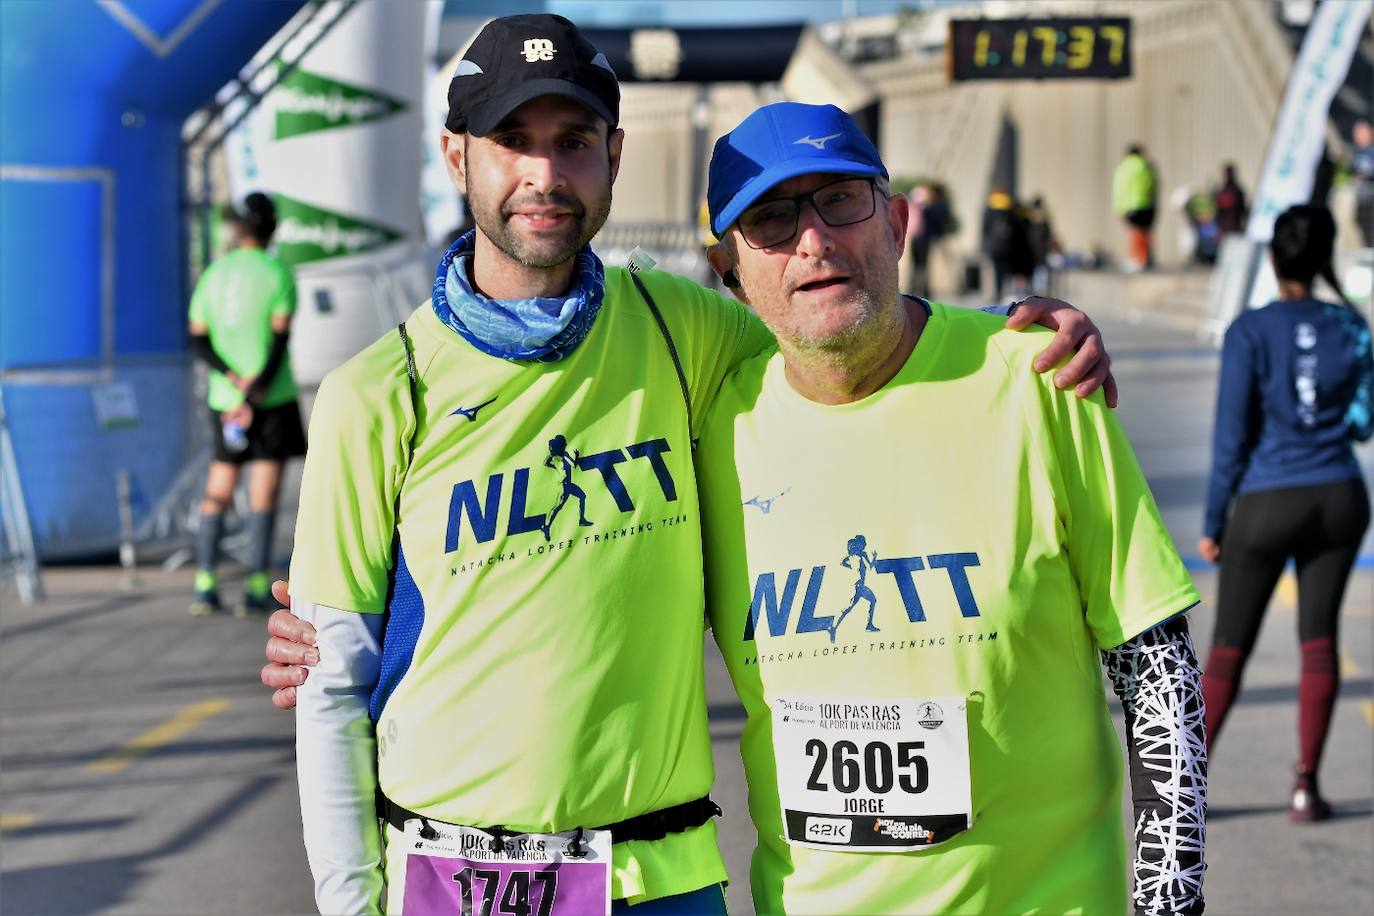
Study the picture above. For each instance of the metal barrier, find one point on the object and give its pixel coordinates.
(17, 554)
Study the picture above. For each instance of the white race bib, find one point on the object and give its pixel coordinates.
(872, 774)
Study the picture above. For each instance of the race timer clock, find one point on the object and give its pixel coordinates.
(1073, 48)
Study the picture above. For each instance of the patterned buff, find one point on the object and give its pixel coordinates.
(541, 329)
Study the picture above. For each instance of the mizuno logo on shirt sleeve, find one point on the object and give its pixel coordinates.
(471, 412)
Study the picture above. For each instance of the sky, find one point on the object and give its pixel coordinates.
(704, 12)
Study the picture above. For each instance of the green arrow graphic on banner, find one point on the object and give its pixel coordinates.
(306, 102)
(306, 232)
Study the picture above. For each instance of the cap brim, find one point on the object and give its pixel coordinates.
(483, 119)
(757, 186)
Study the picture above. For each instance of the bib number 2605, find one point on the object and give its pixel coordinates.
(873, 768)
(871, 774)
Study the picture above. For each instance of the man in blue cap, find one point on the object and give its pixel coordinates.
(954, 753)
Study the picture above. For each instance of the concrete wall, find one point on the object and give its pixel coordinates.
(1208, 80)
(655, 183)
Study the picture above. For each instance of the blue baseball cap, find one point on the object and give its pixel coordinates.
(778, 142)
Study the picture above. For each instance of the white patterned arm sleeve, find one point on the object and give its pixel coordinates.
(1156, 677)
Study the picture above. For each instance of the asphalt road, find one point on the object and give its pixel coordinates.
(142, 769)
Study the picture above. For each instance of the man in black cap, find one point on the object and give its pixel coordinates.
(521, 689)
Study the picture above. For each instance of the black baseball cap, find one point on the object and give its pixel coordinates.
(518, 58)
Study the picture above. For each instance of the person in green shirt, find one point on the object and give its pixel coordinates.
(949, 749)
(240, 319)
(1135, 188)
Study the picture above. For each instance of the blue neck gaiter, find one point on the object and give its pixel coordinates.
(541, 329)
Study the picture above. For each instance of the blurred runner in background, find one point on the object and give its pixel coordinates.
(1135, 187)
(240, 319)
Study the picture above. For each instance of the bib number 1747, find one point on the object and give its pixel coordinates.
(515, 900)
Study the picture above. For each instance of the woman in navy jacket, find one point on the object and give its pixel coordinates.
(1297, 386)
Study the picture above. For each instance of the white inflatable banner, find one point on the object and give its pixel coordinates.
(337, 144)
(337, 141)
(1300, 130)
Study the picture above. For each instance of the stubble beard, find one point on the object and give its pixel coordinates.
(874, 320)
(496, 223)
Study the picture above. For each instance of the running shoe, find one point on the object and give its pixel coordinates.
(257, 596)
(254, 606)
(207, 595)
(206, 603)
(1307, 805)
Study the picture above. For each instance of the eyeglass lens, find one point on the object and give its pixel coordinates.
(839, 203)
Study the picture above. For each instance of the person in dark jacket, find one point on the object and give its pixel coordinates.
(1004, 241)
(1362, 175)
(1232, 210)
(1040, 244)
(929, 225)
(1297, 386)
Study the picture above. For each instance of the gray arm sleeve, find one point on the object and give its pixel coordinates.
(336, 761)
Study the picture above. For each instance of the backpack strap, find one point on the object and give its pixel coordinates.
(672, 351)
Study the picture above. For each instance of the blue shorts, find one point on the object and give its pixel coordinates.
(709, 901)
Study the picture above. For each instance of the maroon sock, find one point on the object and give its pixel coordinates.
(1220, 684)
(1316, 698)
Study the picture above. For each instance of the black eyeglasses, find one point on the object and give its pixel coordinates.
(839, 203)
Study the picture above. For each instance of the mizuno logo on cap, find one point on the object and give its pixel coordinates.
(538, 49)
(817, 142)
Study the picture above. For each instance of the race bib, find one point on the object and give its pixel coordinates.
(459, 873)
(872, 774)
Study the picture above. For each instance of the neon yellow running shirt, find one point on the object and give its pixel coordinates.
(995, 533)
(237, 298)
(549, 671)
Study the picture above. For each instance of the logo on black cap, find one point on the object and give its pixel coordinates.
(538, 49)
(518, 58)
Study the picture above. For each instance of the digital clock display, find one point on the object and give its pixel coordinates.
(999, 49)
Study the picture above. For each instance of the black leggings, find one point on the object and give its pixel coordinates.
(1319, 528)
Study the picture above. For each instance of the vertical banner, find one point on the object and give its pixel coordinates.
(1300, 129)
(1290, 162)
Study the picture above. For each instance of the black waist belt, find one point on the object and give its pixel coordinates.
(654, 825)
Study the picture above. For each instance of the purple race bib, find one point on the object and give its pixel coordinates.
(460, 872)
